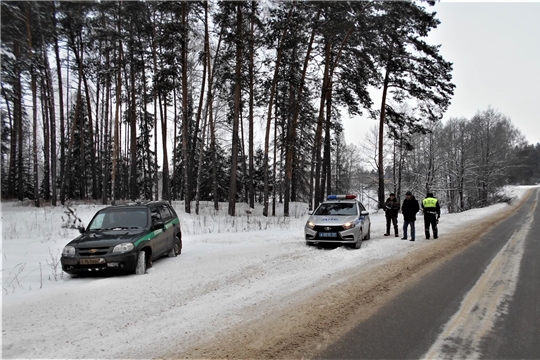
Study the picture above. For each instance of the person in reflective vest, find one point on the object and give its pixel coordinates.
(432, 213)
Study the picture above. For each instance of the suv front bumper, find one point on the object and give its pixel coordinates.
(109, 262)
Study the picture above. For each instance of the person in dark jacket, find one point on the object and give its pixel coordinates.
(391, 209)
(409, 208)
(432, 213)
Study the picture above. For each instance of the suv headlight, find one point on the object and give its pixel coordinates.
(123, 247)
(310, 225)
(349, 225)
(69, 251)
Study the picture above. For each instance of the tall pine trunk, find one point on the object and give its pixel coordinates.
(133, 185)
(61, 108)
(211, 71)
(207, 68)
(327, 138)
(33, 80)
(72, 138)
(269, 115)
(45, 98)
(116, 118)
(186, 148)
(17, 123)
(106, 132)
(155, 99)
(163, 115)
(291, 149)
(316, 154)
(82, 73)
(236, 115)
(251, 171)
(52, 122)
(380, 163)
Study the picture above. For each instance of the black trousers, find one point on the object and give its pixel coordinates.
(430, 219)
(390, 220)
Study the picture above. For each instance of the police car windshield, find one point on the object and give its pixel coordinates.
(346, 209)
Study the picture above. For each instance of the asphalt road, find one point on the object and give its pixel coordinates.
(482, 304)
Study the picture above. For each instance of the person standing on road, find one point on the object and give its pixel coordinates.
(409, 209)
(432, 213)
(391, 209)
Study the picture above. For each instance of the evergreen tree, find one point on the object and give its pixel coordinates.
(412, 71)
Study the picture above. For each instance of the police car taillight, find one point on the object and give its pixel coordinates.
(340, 197)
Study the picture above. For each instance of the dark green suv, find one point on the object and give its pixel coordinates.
(125, 239)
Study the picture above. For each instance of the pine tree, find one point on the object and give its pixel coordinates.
(413, 70)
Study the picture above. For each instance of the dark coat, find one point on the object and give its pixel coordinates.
(410, 208)
(391, 208)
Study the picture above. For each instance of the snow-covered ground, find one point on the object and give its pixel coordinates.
(231, 270)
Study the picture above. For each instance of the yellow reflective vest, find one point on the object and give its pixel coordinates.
(429, 203)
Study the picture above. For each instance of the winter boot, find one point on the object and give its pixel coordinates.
(396, 231)
(427, 235)
(435, 233)
(387, 233)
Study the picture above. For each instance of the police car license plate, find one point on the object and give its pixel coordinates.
(329, 235)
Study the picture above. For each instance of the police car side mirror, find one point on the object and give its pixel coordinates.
(310, 212)
(82, 230)
(364, 212)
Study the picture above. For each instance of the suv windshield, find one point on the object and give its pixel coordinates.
(120, 219)
(336, 209)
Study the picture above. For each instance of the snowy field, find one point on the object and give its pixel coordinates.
(231, 270)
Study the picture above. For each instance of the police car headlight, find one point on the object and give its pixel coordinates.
(310, 225)
(349, 225)
(122, 248)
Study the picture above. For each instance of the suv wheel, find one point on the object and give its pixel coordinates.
(177, 248)
(141, 263)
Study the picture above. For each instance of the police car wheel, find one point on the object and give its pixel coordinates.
(358, 243)
(368, 235)
(309, 243)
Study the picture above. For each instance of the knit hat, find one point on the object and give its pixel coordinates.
(408, 193)
(392, 194)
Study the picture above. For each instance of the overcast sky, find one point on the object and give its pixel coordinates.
(495, 51)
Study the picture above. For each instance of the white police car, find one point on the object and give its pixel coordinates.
(340, 220)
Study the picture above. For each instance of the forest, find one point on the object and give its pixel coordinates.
(240, 101)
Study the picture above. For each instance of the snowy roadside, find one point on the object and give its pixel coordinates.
(220, 280)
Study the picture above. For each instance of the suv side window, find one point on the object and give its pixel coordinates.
(171, 209)
(156, 217)
(165, 213)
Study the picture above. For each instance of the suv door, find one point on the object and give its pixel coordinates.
(167, 218)
(159, 241)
